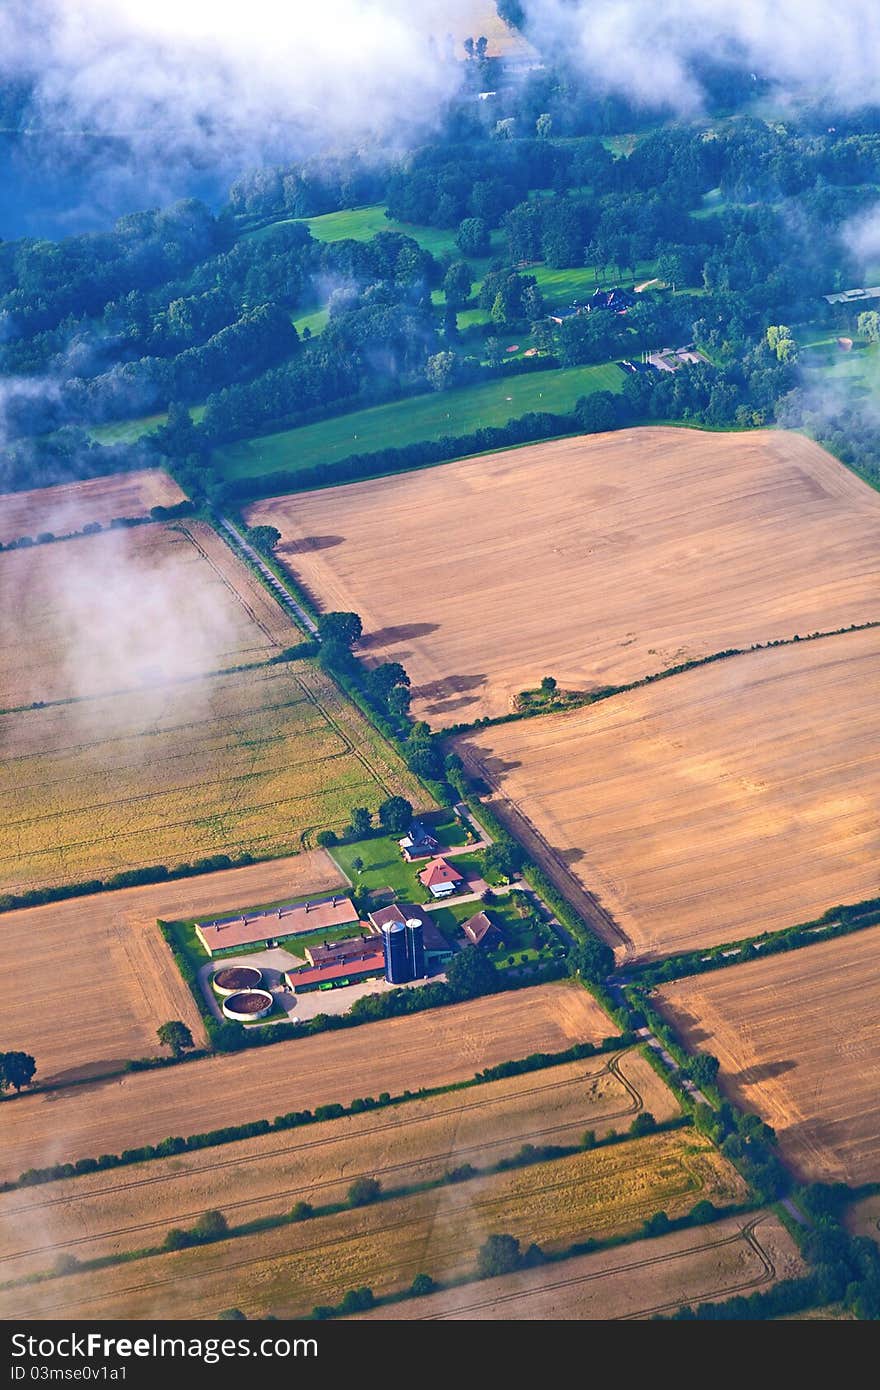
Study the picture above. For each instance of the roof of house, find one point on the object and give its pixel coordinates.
(336, 952)
(438, 871)
(318, 974)
(432, 937)
(478, 927)
(231, 932)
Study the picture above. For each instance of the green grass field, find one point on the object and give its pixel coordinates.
(385, 866)
(420, 417)
(129, 431)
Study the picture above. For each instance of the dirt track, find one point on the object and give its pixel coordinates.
(597, 560)
(428, 1049)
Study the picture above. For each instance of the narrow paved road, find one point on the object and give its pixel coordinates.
(281, 592)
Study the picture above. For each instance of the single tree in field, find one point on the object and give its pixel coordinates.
(361, 822)
(16, 1069)
(457, 284)
(395, 814)
(175, 1035)
(264, 538)
(498, 1255)
(358, 865)
(344, 628)
(548, 685)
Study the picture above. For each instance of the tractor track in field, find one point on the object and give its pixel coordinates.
(746, 1233)
(612, 1068)
(467, 1206)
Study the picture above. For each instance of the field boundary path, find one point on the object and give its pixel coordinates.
(281, 592)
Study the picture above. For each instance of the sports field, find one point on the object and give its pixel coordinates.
(419, 1142)
(732, 799)
(739, 1255)
(288, 1270)
(420, 417)
(427, 1049)
(103, 978)
(798, 1038)
(70, 506)
(596, 560)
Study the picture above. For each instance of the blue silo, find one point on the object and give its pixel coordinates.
(394, 945)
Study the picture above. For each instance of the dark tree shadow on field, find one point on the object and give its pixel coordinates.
(309, 543)
(764, 1071)
(389, 636)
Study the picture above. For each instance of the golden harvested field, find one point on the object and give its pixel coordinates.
(259, 760)
(429, 1049)
(105, 958)
(104, 1214)
(733, 799)
(127, 610)
(798, 1038)
(286, 1271)
(738, 1255)
(470, 18)
(599, 560)
(70, 506)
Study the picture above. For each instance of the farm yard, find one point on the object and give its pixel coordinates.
(704, 808)
(105, 1214)
(255, 761)
(385, 1245)
(70, 506)
(128, 609)
(798, 1039)
(738, 1255)
(648, 548)
(428, 1049)
(104, 958)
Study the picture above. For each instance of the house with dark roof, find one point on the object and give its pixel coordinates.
(480, 930)
(441, 879)
(437, 949)
(418, 843)
(617, 300)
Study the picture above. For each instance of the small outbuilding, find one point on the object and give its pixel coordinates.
(480, 930)
(418, 843)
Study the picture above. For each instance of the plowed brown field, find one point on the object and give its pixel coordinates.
(598, 560)
(429, 1049)
(798, 1038)
(732, 799)
(100, 977)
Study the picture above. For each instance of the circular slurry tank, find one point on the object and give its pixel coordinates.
(232, 978)
(247, 1005)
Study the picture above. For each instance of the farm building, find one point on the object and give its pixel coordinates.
(480, 930)
(437, 949)
(418, 843)
(441, 879)
(342, 963)
(275, 926)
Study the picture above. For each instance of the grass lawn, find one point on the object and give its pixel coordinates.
(384, 867)
(519, 939)
(420, 417)
(823, 361)
(129, 431)
(315, 320)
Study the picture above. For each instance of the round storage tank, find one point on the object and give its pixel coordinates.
(397, 970)
(247, 1005)
(415, 948)
(230, 979)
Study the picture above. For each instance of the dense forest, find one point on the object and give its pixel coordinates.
(738, 218)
